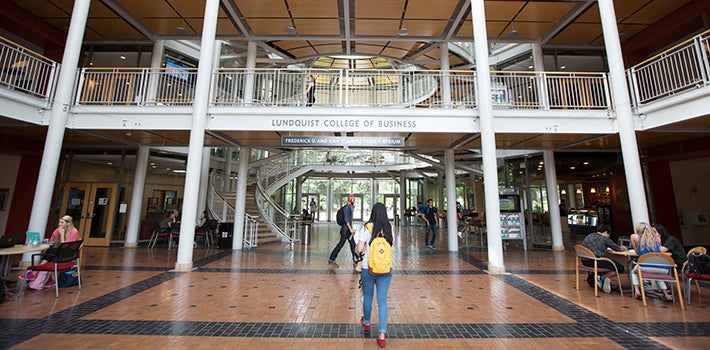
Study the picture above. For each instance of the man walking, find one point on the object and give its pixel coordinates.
(346, 233)
(431, 220)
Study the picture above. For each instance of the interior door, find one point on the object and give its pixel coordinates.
(392, 204)
(92, 206)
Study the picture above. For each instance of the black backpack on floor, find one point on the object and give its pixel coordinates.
(699, 263)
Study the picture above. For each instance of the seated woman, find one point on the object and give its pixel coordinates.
(648, 242)
(166, 226)
(65, 232)
(202, 223)
(305, 215)
(671, 244)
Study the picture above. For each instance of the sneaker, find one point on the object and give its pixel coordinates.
(600, 283)
(333, 264)
(460, 234)
(606, 287)
(427, 246)
(432, 246)
(49, 284)
(30, 276)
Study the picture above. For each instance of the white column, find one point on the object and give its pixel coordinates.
(136, 206)
(440, 190)
(197, 138)
(622, 106)
(204, 182)
(240, 205)
(249, 79)
(539, 65)
(488, 139)
(227, 182)
(156, 61)
(402, 195)
(548, 157)
(299, 194)
(445, 78)
(451, 220)
(60, 111)
(329, 201)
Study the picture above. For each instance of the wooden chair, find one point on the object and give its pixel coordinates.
(689, 276)
(584, 253)
(661, 261)
(67, 257)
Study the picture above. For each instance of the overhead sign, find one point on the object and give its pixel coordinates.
(334, 141)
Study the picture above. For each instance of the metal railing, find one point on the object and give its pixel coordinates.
(681, 68)
(275, 217)
(26, 71)
(136, 86)
(251, 229)
(343, 88)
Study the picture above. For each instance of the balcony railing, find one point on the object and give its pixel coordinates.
(682, 68)
(26, 71)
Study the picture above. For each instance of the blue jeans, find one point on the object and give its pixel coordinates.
(368, 287)
(431, 228)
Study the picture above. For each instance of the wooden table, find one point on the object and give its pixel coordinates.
(7, 253)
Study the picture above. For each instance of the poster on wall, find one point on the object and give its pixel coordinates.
(699, 218)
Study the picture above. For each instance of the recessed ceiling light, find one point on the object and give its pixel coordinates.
(109, 163)
(563, 67)
(122, 57)
(128, 134)
(572, 168)
(585, 163)
(403, 32)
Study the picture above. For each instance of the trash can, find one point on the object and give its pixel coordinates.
(224, 235)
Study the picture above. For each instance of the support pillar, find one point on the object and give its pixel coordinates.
(624, 116)
(249, 79)
(204, 182)
(136, 206)
(445, 75)
(197, 138)
(451, 220)
(548, 157)
(156, 63)
(60, 110)
(240, 205)
(488, 139)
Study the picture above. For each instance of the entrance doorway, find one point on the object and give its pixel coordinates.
(306, 204)
(358, 208)
(392, 205)
(92, 207)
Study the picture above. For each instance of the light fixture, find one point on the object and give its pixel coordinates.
(579, 191)
(122, 57)
(606, 189)
(403, 31)
(512, 33)
(290, 30)
(180, 30)
(592, 190)
(563, 67)
(563, 191)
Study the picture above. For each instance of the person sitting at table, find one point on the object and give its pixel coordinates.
(671, 244)
(166, 226)
(598, 242)
(649, 242)
(65, 232)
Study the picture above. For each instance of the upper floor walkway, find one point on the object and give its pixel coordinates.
(667, 88)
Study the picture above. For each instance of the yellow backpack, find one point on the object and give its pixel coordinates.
(380, 260)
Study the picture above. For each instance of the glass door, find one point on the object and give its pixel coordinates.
(358, 208)
(392, 205)
(92, 207)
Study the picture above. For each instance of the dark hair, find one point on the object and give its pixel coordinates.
(662, 231)
(380, 222)
(604, 228)
(206, 214)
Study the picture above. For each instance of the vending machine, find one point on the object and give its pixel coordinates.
(512, 218)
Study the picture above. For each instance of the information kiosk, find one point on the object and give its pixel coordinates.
(512, 219)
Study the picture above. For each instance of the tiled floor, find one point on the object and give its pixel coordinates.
(274, 297)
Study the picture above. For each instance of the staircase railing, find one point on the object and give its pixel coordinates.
(275, 217)
(251, 229)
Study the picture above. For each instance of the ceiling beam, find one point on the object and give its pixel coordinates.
(462, 9)
(576, 11)
(236, 17)
(129, 18)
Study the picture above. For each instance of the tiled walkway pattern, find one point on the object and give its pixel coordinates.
(276, 298)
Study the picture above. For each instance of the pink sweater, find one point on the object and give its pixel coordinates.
(71, 237)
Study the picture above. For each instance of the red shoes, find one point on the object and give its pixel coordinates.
(364, 325)
(381, 342)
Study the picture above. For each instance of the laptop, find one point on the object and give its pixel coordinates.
(8, 240)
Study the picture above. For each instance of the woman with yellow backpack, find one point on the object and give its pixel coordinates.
(374, 243)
